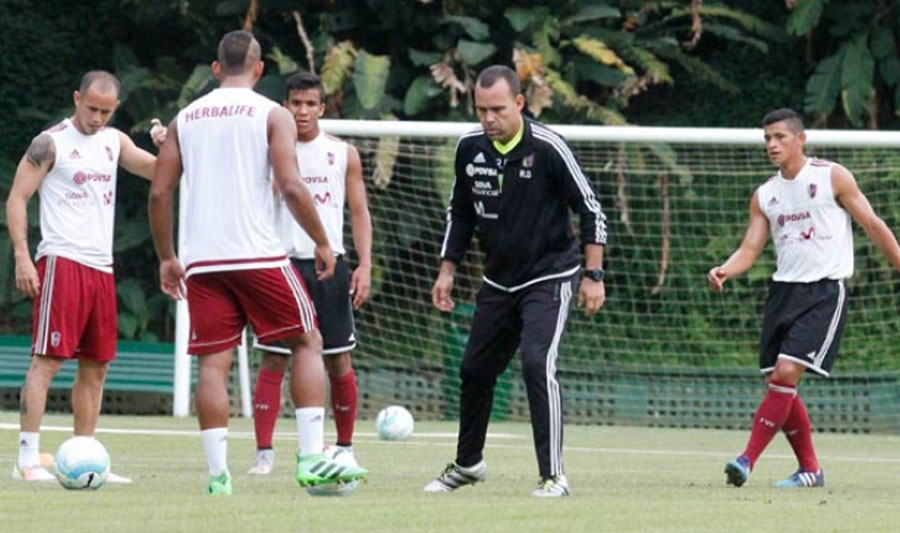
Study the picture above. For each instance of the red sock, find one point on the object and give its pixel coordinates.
(769, 418)
(798, 431)
(266, 406)
(343, 405)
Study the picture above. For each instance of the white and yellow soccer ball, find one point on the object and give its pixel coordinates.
(341, 457)
(394, 422)
(82, 463)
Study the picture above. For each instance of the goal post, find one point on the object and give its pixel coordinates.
(664, 350)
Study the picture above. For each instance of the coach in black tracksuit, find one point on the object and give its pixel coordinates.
(516, 181)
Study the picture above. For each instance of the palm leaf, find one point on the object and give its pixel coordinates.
(337, 66)
(699, 69)
(824, 85)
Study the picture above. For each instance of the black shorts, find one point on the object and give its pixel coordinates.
(333, 307)
(803, 322)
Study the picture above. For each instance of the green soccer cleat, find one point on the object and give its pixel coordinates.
(220, 485)
(317, 469)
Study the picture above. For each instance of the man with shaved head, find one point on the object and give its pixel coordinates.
(235, 266)
(72, 166)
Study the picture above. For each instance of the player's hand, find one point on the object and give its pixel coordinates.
(716, 278)
(324, 262)
(440, 293)
(360, 284)
(591, 295)
(171, 278)
(157, 132)
(27, 280)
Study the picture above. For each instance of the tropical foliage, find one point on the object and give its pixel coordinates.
(581, 61)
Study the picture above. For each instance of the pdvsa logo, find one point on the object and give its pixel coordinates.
(473, 171)
(793, 217)
(81, 177)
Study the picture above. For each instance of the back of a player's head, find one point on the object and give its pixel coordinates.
(790, 117)
(303, 81)
(489, 76)
(238, 50)
(100, 80)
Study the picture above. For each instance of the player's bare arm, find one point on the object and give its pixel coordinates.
(282, 154)
(743, 258)
(592, 294)
(851, 198)
(33, 167)
(160, 209)
(443, 286)
(361, 226)
(135, 159)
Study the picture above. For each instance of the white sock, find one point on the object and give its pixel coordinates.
(311, 429)
(215, 443)
(29, 449)
(348, 449)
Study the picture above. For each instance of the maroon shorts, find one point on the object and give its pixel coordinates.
(274, 300)
(75, 314)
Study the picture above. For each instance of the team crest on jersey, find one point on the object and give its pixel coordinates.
(108, 197)
(55, 339)
(331, 158)
(109, 153)
(528, 161)
(812, 190)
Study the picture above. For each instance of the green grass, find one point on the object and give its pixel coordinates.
(623, 479)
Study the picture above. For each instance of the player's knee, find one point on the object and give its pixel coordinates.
(534, 362)
(43, 369)
(338, 365)
(274, 362)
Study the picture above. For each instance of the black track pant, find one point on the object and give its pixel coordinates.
(533, 318)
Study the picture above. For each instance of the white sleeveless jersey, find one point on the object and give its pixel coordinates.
(229, 218)
(812, 233)
(323, 168)
(78, 196)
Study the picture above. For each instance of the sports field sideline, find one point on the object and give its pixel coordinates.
(623, 479)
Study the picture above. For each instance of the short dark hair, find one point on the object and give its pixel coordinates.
(303, 81)
(793, 118)
(491, 74)
(104, 79)
(236, 50)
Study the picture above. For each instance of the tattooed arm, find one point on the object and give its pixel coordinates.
(33, 166)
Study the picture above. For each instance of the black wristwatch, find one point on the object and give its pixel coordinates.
(595, 274)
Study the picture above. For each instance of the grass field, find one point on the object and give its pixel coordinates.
(623, 479)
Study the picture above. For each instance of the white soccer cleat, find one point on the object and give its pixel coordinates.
(37, 474)
(455, 476)
(344, 457)
(264, 463)
(553, 487)
(119, 480)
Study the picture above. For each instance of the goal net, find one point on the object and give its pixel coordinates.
(664, 350)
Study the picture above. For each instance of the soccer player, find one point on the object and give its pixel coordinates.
(236, 268)
(73, 168)
(806, 206)
(332, 170)
(515, 183)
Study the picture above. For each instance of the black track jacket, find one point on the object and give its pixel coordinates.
(524, 226)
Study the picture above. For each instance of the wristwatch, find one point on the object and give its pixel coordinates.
(595, 274)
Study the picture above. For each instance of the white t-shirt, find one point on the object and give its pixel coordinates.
(323, 168)
(230, 211)
(812, 234)
(78, 196)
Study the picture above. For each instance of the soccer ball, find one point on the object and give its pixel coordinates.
(82, 463)
(341, 457)
(394, 422)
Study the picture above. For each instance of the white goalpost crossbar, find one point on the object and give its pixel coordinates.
(632, 134)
